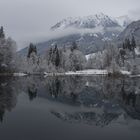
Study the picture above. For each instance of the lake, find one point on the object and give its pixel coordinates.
(69, 108)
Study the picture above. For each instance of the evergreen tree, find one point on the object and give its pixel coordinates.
(124, 46)
(57, 59)
(2, 34)
(54, 56)
(50, 56)
(127, 44)
(122, 54)
(74, 46)
(32, 48)
(133, 43)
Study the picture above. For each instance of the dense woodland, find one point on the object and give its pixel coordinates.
(112, 58)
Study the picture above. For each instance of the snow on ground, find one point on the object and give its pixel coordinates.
(94, 55)
(137, 51)
(133, 76)
(90, 55)
(125, 72)
(20, 74)
(88, 72)
(82, 72)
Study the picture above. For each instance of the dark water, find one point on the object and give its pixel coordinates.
(69, 108)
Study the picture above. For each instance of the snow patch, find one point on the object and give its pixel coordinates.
(125, 72)
(88, 72)
(20, 74)
(137, 51)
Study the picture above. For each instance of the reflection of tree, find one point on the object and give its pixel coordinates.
(1, 115)
(65, 87)
(74, 96)
(128, 92)
(129, 98)
(29, 85)
(111, 97)
(55, 87)
(8, 98)
(32, 91)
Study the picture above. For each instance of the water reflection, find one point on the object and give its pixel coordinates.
(65, 89)
(95, 100)
(32, 91)
(8, 98)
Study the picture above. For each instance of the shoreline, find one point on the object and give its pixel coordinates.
(88, 72)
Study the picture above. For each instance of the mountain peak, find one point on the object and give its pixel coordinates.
(101, 15)
(87, 22)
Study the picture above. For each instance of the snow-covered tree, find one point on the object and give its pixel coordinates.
(111, 52)
(114, 68)
(65, 59)
(7, 53)
(95, 61)
(77, 60)
(32, 63)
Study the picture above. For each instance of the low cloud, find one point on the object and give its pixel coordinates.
(49, 34)
(134, 14)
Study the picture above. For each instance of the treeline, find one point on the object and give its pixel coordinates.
(62, 59)
(54, 59)
(115, 58)
(131, 45)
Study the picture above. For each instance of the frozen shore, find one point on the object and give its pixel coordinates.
(82, 72)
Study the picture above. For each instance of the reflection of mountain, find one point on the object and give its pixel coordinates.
(90, 100)
(87, 117)
(111, 97)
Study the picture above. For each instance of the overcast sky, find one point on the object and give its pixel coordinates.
(30, 20)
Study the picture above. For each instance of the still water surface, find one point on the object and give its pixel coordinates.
(69, 108)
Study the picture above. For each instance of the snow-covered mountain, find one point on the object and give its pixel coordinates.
(93, 21)
(88, 22)
(132, 29)
(90, 32)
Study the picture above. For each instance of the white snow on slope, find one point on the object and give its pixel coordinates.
(91, 21)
